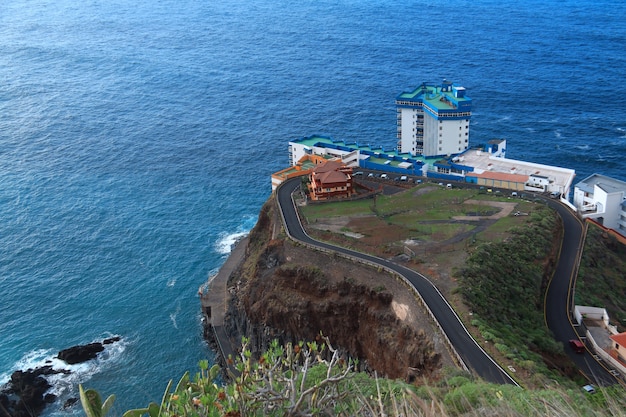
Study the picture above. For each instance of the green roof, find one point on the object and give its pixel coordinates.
(321, 140)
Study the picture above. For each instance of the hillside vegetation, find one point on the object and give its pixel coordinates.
(296, 380)
(601, 278)
(503, 283)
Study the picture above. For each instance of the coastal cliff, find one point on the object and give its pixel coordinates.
(283, 291)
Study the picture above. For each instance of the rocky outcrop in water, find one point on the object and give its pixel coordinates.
(26, 394)
(83, 353)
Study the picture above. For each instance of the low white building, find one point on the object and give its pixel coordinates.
(603, 199)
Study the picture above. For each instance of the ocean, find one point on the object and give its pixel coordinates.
(137, 140)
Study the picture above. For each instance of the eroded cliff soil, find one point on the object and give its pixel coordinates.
(292, 293)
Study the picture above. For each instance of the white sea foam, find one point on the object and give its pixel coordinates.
(225, 244)
(63, 385)
(173, 319)
(173, 316)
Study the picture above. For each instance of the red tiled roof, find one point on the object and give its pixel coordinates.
(619, 338)
(328, 166)
(332, 177)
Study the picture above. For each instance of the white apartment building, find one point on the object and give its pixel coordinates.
(603, 199)
(433, 120)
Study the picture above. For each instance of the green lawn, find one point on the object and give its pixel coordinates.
(325, 210)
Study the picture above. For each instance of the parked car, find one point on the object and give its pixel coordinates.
(384, 176)
(589, 389)
(403, 178)
(358, 173)
(577, 345)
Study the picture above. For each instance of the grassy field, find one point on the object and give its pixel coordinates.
(412, 209)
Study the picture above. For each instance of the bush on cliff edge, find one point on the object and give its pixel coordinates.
(297, 380)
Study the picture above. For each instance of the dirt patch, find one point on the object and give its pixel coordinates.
(505, 210)
(337, 225)
(401, 310)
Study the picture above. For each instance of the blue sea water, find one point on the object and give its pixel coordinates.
(137, 139)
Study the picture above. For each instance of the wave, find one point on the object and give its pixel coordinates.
(582, 147)
(173, 316)
(65, 385)
(225, 243)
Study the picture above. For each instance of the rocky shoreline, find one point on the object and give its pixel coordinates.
(27, 392)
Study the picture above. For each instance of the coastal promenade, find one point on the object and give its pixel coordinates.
(214, 301)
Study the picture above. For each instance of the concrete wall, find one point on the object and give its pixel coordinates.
(595, 313)
(610, 361)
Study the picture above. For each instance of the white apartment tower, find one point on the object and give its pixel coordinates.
(434, 120)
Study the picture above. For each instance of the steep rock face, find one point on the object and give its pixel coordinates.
(291, 293)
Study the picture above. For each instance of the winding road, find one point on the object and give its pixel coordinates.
(557, 298)
(467, 348)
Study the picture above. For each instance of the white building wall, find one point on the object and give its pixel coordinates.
(296, 152)
(444, 137)
(612, 209)
(621, 222)
(605, 201)
(431, 135)
(595, 313)
(407, 138)
(448, 137)
(581, 202)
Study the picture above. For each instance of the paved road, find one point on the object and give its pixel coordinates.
(471, 353)
(559, 296)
